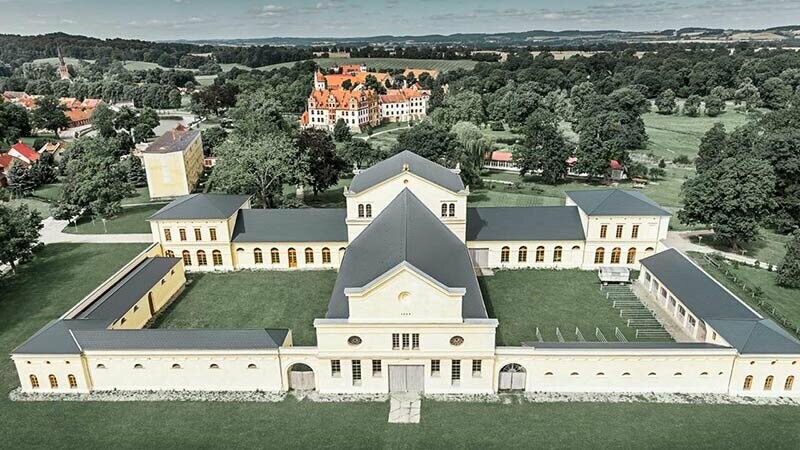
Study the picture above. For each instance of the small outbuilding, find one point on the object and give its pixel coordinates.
(614, 274)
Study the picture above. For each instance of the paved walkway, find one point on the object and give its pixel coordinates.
(52, 232)
(681, 240)
(404, 408)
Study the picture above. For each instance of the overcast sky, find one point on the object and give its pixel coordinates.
(202, 19)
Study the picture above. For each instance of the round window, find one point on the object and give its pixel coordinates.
(354, 340)
(456, 340)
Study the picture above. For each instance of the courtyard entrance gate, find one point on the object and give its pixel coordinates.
(406, 378)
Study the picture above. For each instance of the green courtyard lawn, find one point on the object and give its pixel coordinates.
(785, 301)
(63, 273)
(770, 248)
(523, 300)
(132, 219)
(260, 299)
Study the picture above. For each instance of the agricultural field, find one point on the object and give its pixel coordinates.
(441, 65)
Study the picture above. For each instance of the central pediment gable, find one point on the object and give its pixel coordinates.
(407, 162)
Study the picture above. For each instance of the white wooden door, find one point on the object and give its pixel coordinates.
(479, 257)
(406, 378)
(301, 381)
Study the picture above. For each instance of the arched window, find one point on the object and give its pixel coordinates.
(275, 256)
(704, 374)
(201, 258)
(574, 374)
(523, 254)
(678, 374)
(599, 255)
(176, 366)
(309, 256)
(73, 382)
(292, 257)
(601, 374)
(748, 382)
(213, 366)
(504, 252)
(216, 257)
(187, 258)
(626, 374)
(326, 255)
(615, 255)
(101, 366)
(138, 366)
(539, 254)
(361, 210)
(444, 209)
(258, 257)
(789, 383)
(53, 381)
(768, 383)
(34, 382)
(651, 374)
(170, 254)
(452, 209)
(557, 254)
(252, 366)
(369, 210)
(548, 374)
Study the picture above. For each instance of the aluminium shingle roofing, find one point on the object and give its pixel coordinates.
(417, 165)
(121, 297)
(201, 206)
(291, 225)
(407, 231)
(541, 223)
(616, 202)
(55, 338)
(706, 298)
(754, 336)
(181, 339)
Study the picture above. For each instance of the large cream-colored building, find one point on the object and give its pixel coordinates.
(407, 312)
(174, 163)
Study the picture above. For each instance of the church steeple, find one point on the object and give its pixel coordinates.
(63, 71)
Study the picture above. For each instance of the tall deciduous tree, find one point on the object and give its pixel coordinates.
(691, 107)
(14, 122)
(19, 234)
(473, 147)
(731, 197)
(258, 165)
(341, 132)
(666, 103)
(789, 270)
(361, 153)
(430, 141)
(545, 148)
(323, 164)
(713, 147)
(49, 114)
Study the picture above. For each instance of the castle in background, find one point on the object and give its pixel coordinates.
(344, 95)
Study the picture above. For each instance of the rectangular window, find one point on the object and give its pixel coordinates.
(603, 231)
(167, 234)
(405, 341)
(182, 233)
(213, 233)
(198, 235)
(635, 232)
(336, 368)
(376, 367)
(455, 371)
(435, 367)
(395, 341)
(646, 276)
(415, 341)
(692, 321)
(681, 311)
(476, 368)
(619, 231)
(356, 372)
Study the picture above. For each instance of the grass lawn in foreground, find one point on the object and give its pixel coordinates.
(258, 299)
(522, 300)
(785, 301)
(63, 273)
(131, 220)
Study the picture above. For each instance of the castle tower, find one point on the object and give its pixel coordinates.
(319, 81)
(63, 71)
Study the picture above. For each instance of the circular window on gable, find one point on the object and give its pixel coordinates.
(403, 296)
(456, 340)
(354, 340)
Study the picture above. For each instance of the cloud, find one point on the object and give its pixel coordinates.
(271, 10)
(67, 21)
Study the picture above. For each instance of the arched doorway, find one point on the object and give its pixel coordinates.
(512, 378)
(301, 377)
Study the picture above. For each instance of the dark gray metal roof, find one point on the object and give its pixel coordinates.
(616, 202)
(706, 298)
(756, 336)
(624, 345)
(417, 165)
(407, 231)
(55, 338)
(172, 141)
(121, 297)
(291, 225)
(201, 206)
(543, 223)
(178, 339)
